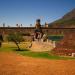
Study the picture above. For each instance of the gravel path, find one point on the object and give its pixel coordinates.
(14, 64)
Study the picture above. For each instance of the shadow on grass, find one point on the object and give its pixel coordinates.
(20, 49)
(16, 49)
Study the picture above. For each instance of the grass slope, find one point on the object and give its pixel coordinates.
(63, 22)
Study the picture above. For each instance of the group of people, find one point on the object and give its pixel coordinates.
(40, 36)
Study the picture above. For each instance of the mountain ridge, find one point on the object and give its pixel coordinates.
(67, 21)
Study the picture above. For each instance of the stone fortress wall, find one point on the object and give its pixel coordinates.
(50, 31)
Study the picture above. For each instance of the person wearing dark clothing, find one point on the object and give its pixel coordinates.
(1, 39)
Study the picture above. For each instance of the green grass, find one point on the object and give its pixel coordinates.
(26, 52)
(6, 49)
(45, 55)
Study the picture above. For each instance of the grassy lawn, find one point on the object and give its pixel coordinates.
(43, 55)
(11, 47)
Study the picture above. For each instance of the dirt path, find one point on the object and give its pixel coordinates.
(14, 64)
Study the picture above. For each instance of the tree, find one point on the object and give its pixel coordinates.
(21, 25)
(30, 25)
(3, 24)
(1, 39)
(16, 38)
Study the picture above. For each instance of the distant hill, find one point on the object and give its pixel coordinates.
(67, 21)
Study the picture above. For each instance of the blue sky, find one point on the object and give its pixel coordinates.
(27, 11)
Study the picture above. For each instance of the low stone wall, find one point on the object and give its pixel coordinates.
(41, 46)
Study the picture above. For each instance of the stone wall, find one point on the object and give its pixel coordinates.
(6, 30)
